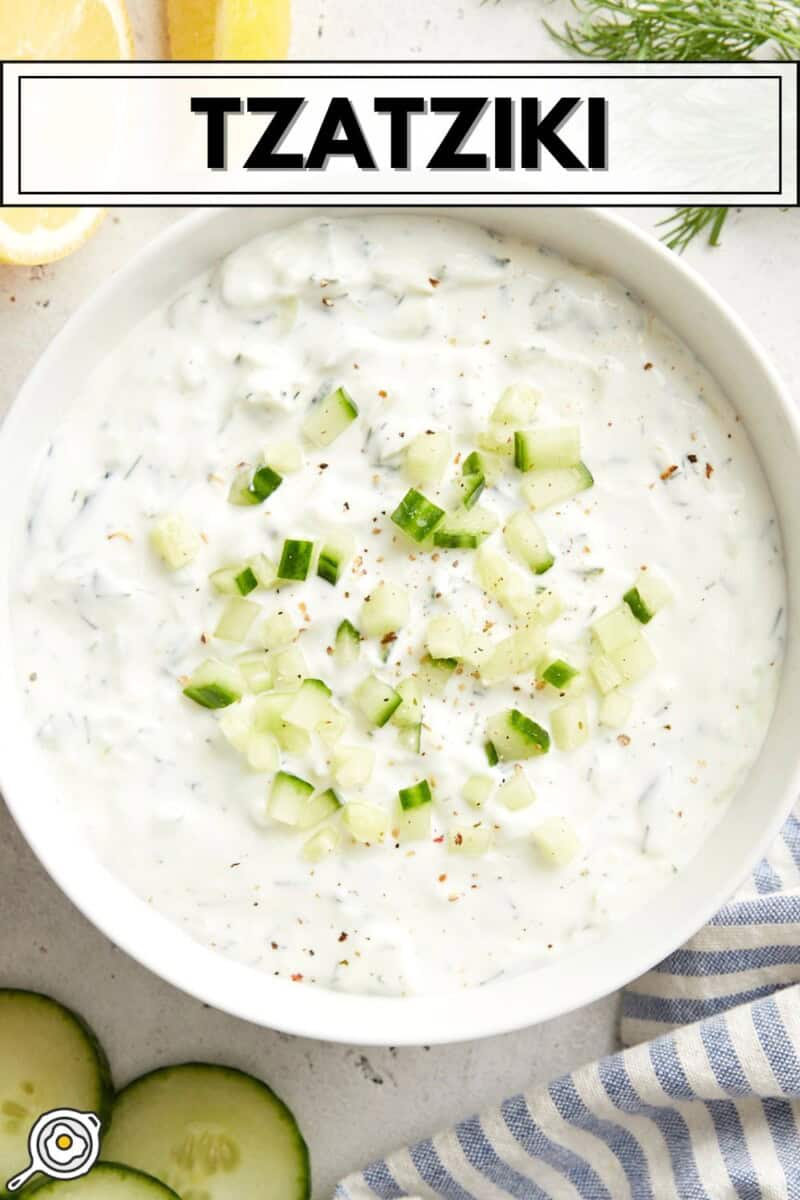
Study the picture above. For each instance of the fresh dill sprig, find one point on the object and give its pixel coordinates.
(686, 223)
(682, 30)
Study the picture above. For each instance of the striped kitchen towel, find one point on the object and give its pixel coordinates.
(702, 1106)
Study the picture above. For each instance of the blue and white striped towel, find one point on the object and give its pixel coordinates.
(704, 1110)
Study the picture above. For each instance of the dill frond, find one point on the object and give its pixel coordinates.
(686, 223)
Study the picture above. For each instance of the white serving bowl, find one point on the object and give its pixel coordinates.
(593, 238)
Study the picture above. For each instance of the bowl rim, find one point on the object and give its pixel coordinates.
(151, 939)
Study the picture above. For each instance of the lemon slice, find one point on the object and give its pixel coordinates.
(45, 30)
(228, 30)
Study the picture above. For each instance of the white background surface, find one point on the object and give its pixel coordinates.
(352, 1104)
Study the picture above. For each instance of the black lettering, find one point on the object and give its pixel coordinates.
(327, 144)
(598, 134)
(449, 156)
(285, 112)
(216, 109)
(399, 109)
(542, 132)
(504, 133)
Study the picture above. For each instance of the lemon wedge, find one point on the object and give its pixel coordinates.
(52, 30)
(229, 30)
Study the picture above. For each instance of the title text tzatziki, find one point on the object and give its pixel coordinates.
(399, 606)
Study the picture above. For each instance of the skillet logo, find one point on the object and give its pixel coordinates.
(63, 1144)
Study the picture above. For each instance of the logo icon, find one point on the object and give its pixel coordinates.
(63, 1144)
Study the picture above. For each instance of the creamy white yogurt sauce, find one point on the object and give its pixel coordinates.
(425, 322)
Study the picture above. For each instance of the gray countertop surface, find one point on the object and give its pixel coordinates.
(353, 1103)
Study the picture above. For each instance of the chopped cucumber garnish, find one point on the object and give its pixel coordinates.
(516, 793)
(570, 725)
(334, 555)
(473, 464)
(348, 644)
(416, 795)
(290, 668)
(477, 790)
(521, 651)
(376, 700)
(615, 629)
(490, 750)
(321, 844)
(409, 714)
(445, 637)
(559, 673)
(615, 709)
(263, 569)
(224, 580)
(254, 487)
(647, 597)
(385, 610)
(435, 673)
(542, 449)
(516, 406)
(236, 620)
(465, 529)
(310, 706)
(515, 736)
(257, 668)
(333, 725)
(366, 822)
(295, 559)
(284, 457)
(236, 725)
(277, 631)
(263, 752)
(526, 542)
(174, 540)
(470, 840)
(352, 765)
(321, 806)
(542, 489)
(556, 842)
(604, 673)
(427, 457)
(470, 487)
(412, 824)
(330, 417)
(246, 581)
(634, 660)
(417, 516)
(288, 798)
(215, 684)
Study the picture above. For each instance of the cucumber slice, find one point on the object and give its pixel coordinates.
(321, 806)
(385, 610)
(435, 673)
(409, 714)
(516, 793)
(604, 673)
(366, 822)
(174, 540)
(469, 488)
(334, 555)
(310, 706)
(570, 724)
(295, 559)
(225, 579)
(473, 464)
(289, 668)
(263, 752)
(253, 487)
(284, 457)
(328, 419)
(634, 660)
(445, 637)
(519, 652)
(321, 844)
(236, 619)
(417, 516)
(465, 529)
(210, 1131)
(647, 597)
(415, 796)
(541, 489)
(348, 644)
(236, 726)
(412, 824)
(215, 684)
(352, 765)
(526, 542)
(516, 406)
(256, 668)
(427, 457)
(490, 750)
(246, 581)
(470, 840)
(540, 449)
(515, 736)
(376, 700)
(49, 1059)
(615, 709)
(477, 790)
(107, 1181)
(616, 629)
(288, 798)
(559, 673)
(556, 842)
(277, 631)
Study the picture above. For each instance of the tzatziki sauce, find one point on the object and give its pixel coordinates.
(425, 323)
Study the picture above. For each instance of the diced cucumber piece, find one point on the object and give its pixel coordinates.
(546, 606)
(250, 487)
(498, 441)
(236, 619)
(236, 726)
(490, 750)
(288, 798)
(634, 660)
(352, 765)
(366, 822)
(310, 705)
(473, 464)
(284, 457)
(335, 553)
(521, 651)
(385, 610)
(616, 628)
(445, 637)
(409, 714)
(490, 465)
(246, 581)
(515, 736)
(215, 684)
(328, 419)
(469, 840)
(332, 725)
(465, 529)
(376, 700)
(174, 540)
(209, 1131)
(107, 1181)
(321, 844)
(615, 709)
(477, 790)
(492, 570)
(559, 674)
(517, 405)
(570, 724)
(412, 824)
(256, 667)
(277, 631)
(268, 717)
(290, 668)
(225, 579)
(416, 795)
(295, 559)
(410, 736)
(435, 673)
(543, 449)
(556, 841)
(263, 752)
(321, 806)
(542, 489)
(348, 644)
(49, 1059)
(263, 568)
(427, 457)
(647, 597)
(526, 542)
(604, 673)
(417, 516)
(469, 488)
(516, 793)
